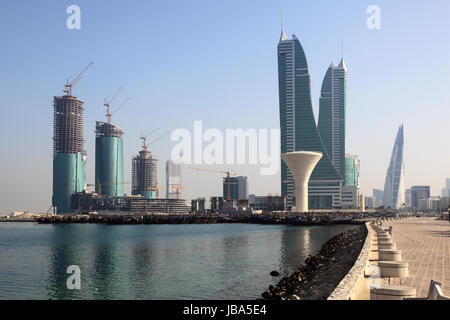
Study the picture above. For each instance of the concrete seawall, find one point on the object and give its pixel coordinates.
(354, 286)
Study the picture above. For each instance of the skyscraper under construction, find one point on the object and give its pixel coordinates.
(108, 159)
(144, 174)
(69, 156)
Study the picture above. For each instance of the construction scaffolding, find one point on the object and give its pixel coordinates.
(144, 175)
(68, 125)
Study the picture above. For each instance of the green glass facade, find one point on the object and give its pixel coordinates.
(68, 178)
(351, 170)
(109, 160)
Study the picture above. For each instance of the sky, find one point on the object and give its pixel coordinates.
(216, 61)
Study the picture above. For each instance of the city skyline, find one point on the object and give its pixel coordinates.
(373, 127)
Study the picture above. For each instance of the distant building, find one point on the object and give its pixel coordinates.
(394, 187)
(269, 203)
(419, 193)
(198, 205)
(144, 174)
(378, 195)
(173, 180)
(216, 203)
(350, 196)
(446, 190)
(408, 198)
(351, 170)
(369, 202)
(238, 188)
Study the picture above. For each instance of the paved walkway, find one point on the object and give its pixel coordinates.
(425, 245)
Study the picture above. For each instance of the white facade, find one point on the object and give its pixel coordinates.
(394, 187)
(301, 164)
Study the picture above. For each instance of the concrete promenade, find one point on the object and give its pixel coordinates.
(425, 245)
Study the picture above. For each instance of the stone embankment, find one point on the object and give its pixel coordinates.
(307, 220)
(321, 274)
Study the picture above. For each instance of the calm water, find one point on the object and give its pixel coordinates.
(220, 261)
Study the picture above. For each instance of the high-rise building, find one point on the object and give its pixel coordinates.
(173, 180)
(69, 156)
(332, 112)
(238, 188)
(378, 195)
(298, 127)
(394, 186)
(446, 190)
(351, 170)
(419, 193)
(144, 174)
(108, 159)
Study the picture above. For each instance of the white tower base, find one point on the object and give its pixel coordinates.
(301, 164)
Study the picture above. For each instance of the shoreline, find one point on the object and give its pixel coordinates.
(319, 275)
(303, 220)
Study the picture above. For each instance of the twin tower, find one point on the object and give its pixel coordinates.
(299, 132)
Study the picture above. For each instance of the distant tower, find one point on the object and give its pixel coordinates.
(108, 159)
(69, 156)
(394, 186)
(144, 174)
(173, 180)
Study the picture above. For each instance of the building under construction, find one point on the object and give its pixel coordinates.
(173, 180)
(144, 174)
(69, 156)
(89, 202)
(108, 159)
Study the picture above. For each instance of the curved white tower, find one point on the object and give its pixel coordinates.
(301, 164)
(394, 186)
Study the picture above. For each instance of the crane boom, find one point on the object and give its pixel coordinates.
(228, 173)
(68, 86)
(107, 104)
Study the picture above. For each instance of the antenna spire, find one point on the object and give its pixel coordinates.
(283, 35)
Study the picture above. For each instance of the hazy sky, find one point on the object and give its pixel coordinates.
(216, 61)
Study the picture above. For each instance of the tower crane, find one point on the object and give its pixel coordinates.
(107, 104)
(144, 139)
(229, 173)
(68, 86)
(177, 187)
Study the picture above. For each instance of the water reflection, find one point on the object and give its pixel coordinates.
(153, 262)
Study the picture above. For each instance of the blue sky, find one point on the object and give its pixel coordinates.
(215, 61)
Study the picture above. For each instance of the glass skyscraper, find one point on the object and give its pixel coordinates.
(351, 170)
(394, 186)
(332, 114)
(298, 127)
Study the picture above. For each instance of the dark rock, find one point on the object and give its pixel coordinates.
(274, 273)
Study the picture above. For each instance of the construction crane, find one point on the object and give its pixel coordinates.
(177, 187)
(144, 139)
(107, 104)
(228, 173)
(68, 86)
(120, 106)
